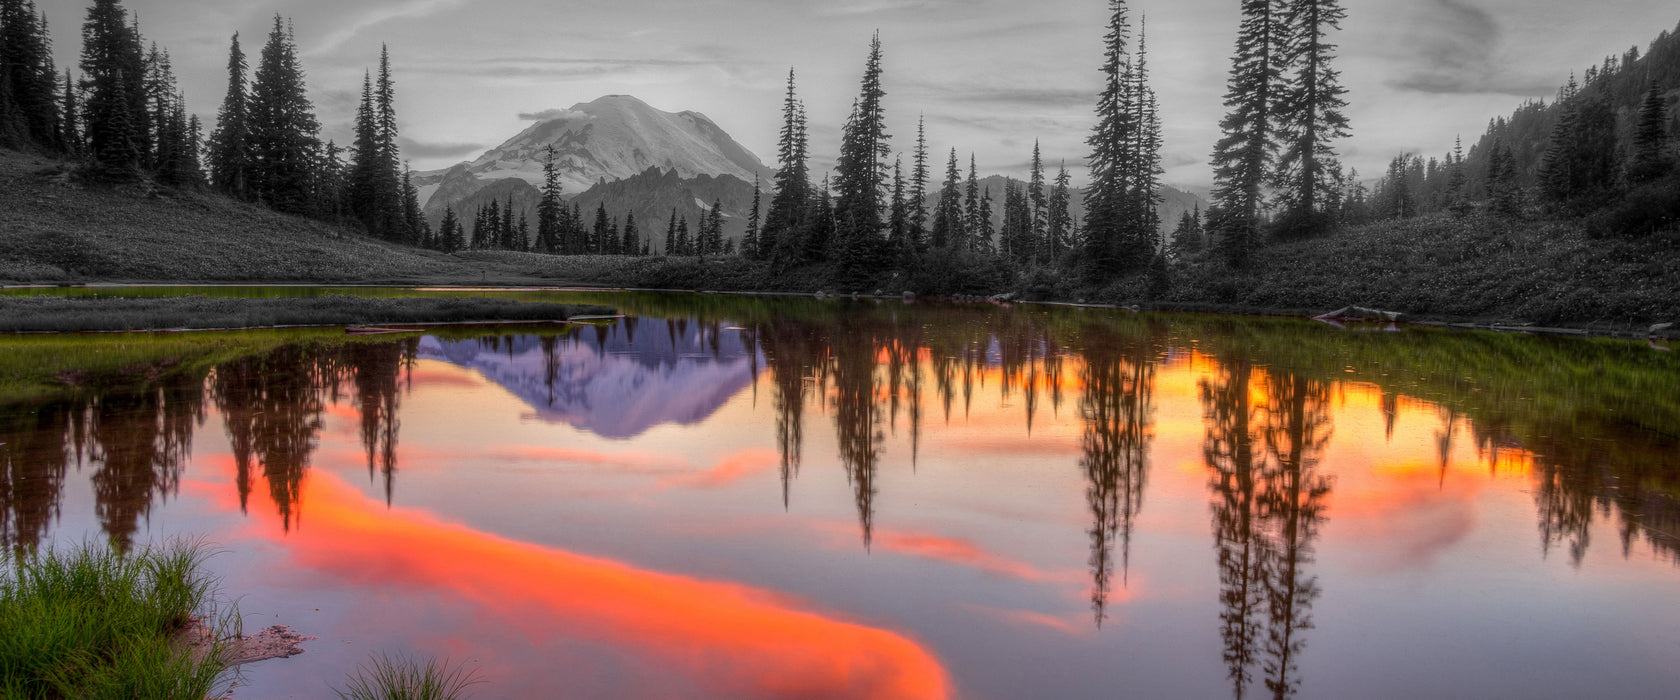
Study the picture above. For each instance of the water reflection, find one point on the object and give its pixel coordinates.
(890, 385)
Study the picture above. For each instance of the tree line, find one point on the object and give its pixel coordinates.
(1606, 145)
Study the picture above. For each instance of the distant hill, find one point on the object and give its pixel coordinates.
(1623, 79)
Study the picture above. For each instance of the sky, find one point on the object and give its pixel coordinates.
(990, 76)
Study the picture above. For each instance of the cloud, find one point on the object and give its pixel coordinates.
(422, 149)
(408, 9)
(551, 115)
(1453, 49)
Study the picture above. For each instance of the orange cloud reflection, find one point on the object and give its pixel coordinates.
(730, 639)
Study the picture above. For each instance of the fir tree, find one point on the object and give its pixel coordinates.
(1310, 108)
(917, 223)
(448, 236)
(714, 229)
(749, 241)
(985, 232)
(898, 224)
(550, 210)
(631, 243)
(1245, 155)
(1458, 201)
(785, 219)
(1038, 199)
(860, 175)
(414, 220)
(282, 136)
(230, 159)
(113, 71)
(685, 245)
(1058, 224)
(30, 80)
(970, 230)
(600, 232)
(948, 219)
(1121, 224)
(671, 236)
(70, 118)
(1651, 157)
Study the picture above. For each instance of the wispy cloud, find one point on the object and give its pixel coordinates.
(380, 14)
(414, 148)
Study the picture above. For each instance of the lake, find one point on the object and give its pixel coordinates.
(727, 497)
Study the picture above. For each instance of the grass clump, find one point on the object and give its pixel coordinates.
(70, 314)
(94, 623)
(403, 678)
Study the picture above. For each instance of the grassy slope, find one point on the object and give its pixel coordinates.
(52, 229)
(1540, 272)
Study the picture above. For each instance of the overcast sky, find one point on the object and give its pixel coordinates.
(991, 75)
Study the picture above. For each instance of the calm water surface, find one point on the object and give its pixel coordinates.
(742, 498)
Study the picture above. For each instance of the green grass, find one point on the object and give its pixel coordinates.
(401, 678)
(57, 314)
(94, 623)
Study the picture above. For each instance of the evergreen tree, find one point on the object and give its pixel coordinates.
(749, 242)
(1038, 200)
(414, 220)
(1058, 223)
(1651, 157)
(376, 179)
(70, 118)
(784, 221)
(860, 175)
(1245, 155)
(917, 222)
(818, 236)
(1583, 161)
(30, 80)
(714, 229)
(685, 245)
(631, 242)
(230, 159)
(969, 238)
(948, 219)
(283, 129)
(1310, 108)
(332, 182)
(671, 236)
(600, 232)
(113, 71)
(448, 235)
(985, 232)
(1458, 200)
(550, 209)
(898, 221)
(1122, 226)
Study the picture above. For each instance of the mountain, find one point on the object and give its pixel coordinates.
(609, 139)
(653, 194)
(618, 381)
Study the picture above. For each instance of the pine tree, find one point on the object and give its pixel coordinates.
(414, 220)
(860, 175)
(1038, 199)
(283, 129)
(671, 237)
(600, 232)
(550, 210)
(969, 239)
(70, 119)
(1458, 201)
(1121, 222)
(447, 235)
(631, 243)
(1144, 175)
(31, 81)
(785, 219)
(714, 229)
(230, 159)
(1651, 157)
(749, 242)
(1310, 111)
(1058, 225)
(685, 244)
(948, 219)
(898, 221)
(113, 71)
(918, 189)
(1245, 155)
(985, 232)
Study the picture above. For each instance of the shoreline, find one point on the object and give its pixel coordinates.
(1578, 329)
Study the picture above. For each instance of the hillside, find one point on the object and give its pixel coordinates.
(53, 229)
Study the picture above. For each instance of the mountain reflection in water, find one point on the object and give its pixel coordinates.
(893, 501)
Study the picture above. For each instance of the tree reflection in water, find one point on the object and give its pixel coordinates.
(1268, 504)
(1118, 375)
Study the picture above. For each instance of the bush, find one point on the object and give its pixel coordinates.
(1646, 210)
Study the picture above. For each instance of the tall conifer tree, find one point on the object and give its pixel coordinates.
(283, 129)
(230, 159)
(1310, 109)
(1245, 156)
